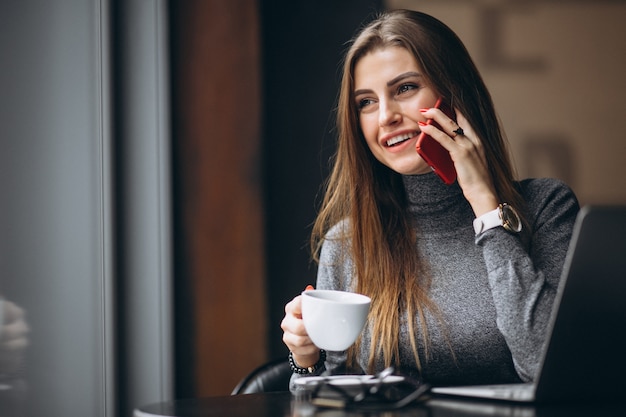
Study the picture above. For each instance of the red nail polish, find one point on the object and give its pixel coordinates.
(309, 287)
(422, 123)
(424, 110)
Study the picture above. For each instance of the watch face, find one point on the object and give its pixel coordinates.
(510, 219)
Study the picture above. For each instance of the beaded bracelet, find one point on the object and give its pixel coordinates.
(309, 370)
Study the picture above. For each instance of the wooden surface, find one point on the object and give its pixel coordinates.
(216, 140)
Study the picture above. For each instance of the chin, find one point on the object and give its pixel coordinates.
(412, 169)
(407, 165)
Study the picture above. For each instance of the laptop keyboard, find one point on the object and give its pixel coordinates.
(510, 391)
(522, 392)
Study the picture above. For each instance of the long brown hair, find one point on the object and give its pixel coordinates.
(380, 239)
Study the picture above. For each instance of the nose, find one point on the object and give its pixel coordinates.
(389, 113)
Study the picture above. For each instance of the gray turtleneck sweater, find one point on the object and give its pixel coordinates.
(494, 291)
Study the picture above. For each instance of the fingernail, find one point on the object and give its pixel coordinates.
(309, 287)
(424, 110)
(422, 123)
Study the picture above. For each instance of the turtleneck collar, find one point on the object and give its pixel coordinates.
(428, 194)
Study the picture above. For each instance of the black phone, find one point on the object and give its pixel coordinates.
(433, 153)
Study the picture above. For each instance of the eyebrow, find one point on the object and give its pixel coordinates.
(393, 81)
(402, 77)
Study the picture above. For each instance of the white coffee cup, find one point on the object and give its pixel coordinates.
(334, 319)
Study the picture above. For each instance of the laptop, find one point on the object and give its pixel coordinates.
(585, 352)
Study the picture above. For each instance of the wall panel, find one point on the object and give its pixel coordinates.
(220, 270)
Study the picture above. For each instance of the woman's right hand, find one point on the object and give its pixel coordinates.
(295, 336)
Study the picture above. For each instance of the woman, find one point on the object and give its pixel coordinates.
(458, 295)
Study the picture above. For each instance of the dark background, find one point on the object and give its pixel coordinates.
(303, 45)
(300, 45)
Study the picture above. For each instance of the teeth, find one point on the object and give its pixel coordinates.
(400, 138)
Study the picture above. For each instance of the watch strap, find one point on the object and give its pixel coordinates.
(505, 216)
(487, 221)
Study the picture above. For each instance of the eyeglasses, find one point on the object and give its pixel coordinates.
(383, 391)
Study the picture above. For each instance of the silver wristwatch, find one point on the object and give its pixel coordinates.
(504, 216)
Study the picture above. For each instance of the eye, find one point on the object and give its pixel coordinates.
(364, 103)
(405, 88)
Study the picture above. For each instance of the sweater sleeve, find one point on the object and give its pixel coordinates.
(333, 274)
(524, 277)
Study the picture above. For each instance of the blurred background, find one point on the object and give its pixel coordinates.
(161, 165)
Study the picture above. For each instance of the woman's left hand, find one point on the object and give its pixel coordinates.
(468, 155)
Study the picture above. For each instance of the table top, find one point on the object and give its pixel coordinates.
(284, 404)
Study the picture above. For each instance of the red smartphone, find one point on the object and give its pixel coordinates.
(433, 153)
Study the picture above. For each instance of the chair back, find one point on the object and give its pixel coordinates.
(270, 377)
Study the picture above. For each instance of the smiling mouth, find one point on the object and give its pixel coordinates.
(400, 138)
